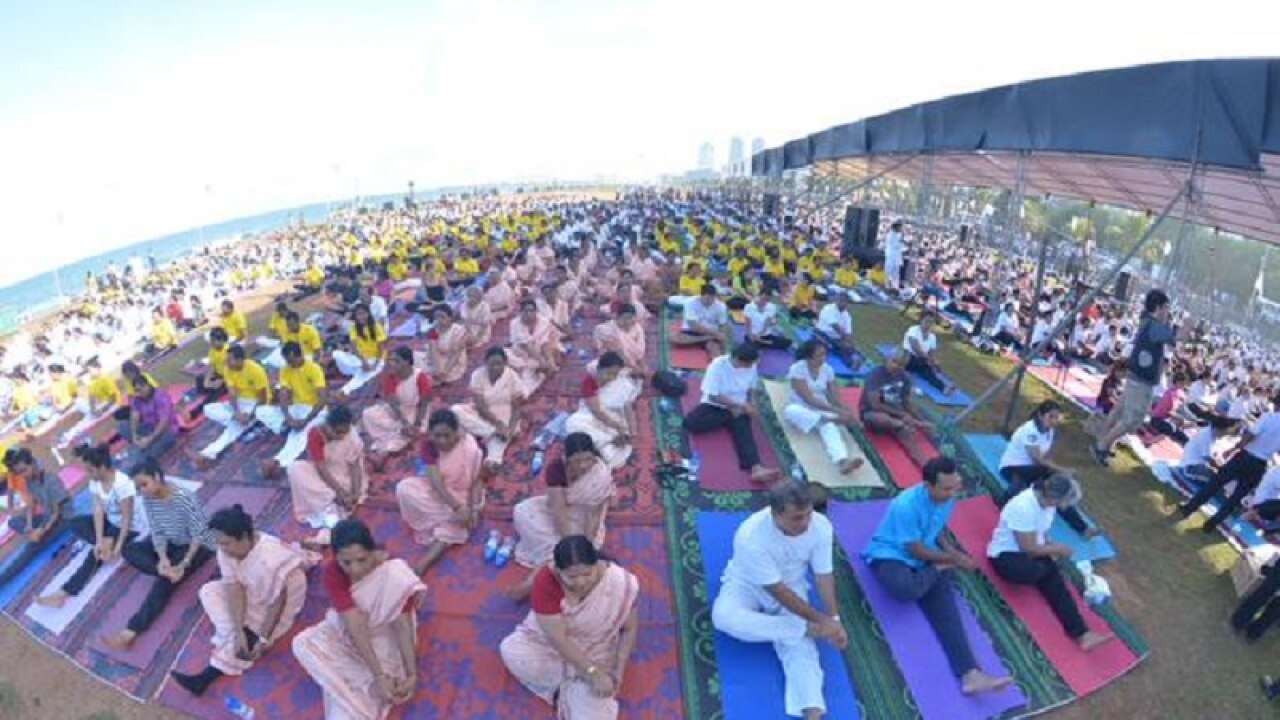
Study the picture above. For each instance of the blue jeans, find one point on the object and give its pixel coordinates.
(29, 550)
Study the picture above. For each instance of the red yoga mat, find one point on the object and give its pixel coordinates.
(686, 357)
(902, 470)
(972, 523)
(720, 471)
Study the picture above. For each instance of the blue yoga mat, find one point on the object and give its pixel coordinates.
(751, 682)
(838, 366)
(1249, 534)
(989, 448)
(959, 398)
(80, 504)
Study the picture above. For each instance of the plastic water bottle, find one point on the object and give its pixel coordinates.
(491, 546)
(419, 467)
(503, 555)
(797, 473)
(694, 463)
(536, 465)
(238, 709)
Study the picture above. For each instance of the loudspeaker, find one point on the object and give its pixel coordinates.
(964, 234)
(871, 228)
(851, 240)
(1122, 287)
(770, 204)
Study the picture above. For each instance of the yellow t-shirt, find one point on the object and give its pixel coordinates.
(235, 324)
(466, 267)
(63, 391)
(878, 276)
(314, 276)
(103, 390)
(737, 265)
(773, 266)
(304, 383)
(371, 348)
(802, 296)
(397, 271)
(218, 360)
(163, 334)
(692, 284)
(24, 397)
(307, 336)
(275, 325)
(249, 382)
(847, 276)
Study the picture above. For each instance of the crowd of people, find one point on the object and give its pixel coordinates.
(412, 300)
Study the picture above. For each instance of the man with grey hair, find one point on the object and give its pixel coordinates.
(886, 406)
(765, 591)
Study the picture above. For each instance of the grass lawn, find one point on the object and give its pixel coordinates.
(1168, 579)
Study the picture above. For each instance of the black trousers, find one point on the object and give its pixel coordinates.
(82, 527)
(1021, 477)
(777, 342)
(1245, 469)
(1268, 509)
(142, 556)
(1164, 427)
(921, 367)
(1005, 338)
(1260, 609)
(1044, 573)
(707, 418)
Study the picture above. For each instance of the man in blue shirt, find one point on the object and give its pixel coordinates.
(913, 564)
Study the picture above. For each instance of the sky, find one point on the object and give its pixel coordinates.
(125, 120)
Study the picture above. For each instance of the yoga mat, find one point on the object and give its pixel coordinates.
(902, 470)
(958, 398)
(751, 680)
(719, 469)
(812, 454)
(55, 620)
(972, 523)
(686, 357)
(989, 448)
(773, 362)
(1234, 527)
(914, 643)
(838, 365)
(170, 622)
(18, 584)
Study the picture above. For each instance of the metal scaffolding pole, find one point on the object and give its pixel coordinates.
(1022, 368)
(1080, 305)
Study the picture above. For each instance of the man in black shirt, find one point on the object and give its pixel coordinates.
(886, 405)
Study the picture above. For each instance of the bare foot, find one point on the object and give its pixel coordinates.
(119, 641)
(1091, 533)
(849, 465)
(976, 681)
(56, 600)
(762, 474)
(1091, 640)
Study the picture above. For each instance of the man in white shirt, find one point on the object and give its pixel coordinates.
(1008, 329)
(728, 400)
(1246, 467)
(705, 323)
(893, 251)
(765, 591)
(920, 343)
(762, 321)
(835, 328)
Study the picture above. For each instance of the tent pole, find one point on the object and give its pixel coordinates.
(1020, 191)
(1080, 305)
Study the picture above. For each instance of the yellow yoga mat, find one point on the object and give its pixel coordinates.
(812, 456)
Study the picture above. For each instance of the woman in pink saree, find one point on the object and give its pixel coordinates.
(442, 507)
(625, 336)
(579, 488)
(499, 295)
(573, 648)
(607, 411)
(331, 481)
(364, 654)
(493, 414)
(555, 310)
(254, 603)
(535, 346)
(446, 347)
(404, 399)
(477, 318)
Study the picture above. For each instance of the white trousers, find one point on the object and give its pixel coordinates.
(740, 612)
(349, 364)
(223, 414)
(273, 418)
(806, 420)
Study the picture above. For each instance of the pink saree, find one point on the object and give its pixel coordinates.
(532, 517)
(447, 359)
(312, 498)
(380, 423)
(428, 515)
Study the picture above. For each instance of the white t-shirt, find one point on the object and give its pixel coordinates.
(760, 319)
(831, 317)
(1266, 441)
(764, 556)
(725, 379)
(715, 316)
(1022, 514)
(1199, 448)
(1018, 452)
(818, 386)
(378, 309)
(926, 344)
(122, 488)
(1269, 488)
(1007, 323)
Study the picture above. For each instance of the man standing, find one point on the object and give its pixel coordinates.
(1247, 466)
(728, 400)
(765, 590)
(893, 249)
(914, 564)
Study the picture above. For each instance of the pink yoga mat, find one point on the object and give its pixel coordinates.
(719, 469)
(902, 470)
(972, 523)
(687, 357)
(143, 651)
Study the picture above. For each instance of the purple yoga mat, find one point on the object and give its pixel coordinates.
(773, 362)
(143, 651)
(719, 461)
(914, 645)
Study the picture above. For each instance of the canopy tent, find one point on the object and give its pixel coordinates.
(1126, 137)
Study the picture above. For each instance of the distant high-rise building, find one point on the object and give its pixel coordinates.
(736, 149)
(707, 156)
(757, 145)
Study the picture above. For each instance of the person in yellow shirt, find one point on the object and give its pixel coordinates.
(305, 335)
(466, 267)
(249, 387)
(739, 262)
(63, 388)
(233, 322)
(367, 342)
(275, 325)
(397, 269)
(802, 299)
(847, 275)
(692, 280)
(101, 397)
(164, 336)
(211, 383)
(301, 400)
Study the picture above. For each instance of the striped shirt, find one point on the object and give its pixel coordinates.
(179, 520)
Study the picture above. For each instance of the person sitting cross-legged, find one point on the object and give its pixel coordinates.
(728, 390)
(886, 405)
